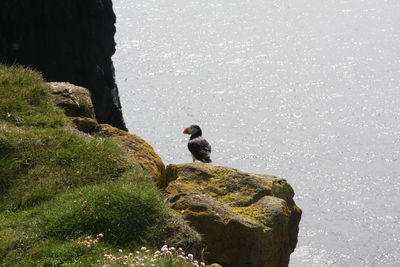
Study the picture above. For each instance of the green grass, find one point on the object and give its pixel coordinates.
(58, 253)
(25, 100)
(126, 212)
(129, 212)
(38, 163)
(57, 186)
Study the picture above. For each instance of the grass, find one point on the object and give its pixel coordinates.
(58, 186)
(125, 211)
(129, 212)
(37, 164)
(25, 100)
(57, 253)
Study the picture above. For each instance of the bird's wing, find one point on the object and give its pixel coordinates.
(199, 147)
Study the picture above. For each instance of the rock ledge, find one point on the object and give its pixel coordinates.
(245, 219)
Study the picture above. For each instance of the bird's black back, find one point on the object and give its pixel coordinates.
(200, 149)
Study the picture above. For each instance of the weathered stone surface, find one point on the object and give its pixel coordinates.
(139, 151)
(74, 100)
(86, 125)
(179, 234)
(245, 219)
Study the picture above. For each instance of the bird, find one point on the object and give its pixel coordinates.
(198, 146)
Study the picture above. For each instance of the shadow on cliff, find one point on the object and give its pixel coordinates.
(66, 40)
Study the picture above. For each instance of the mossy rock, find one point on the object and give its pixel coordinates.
(74, 100)
(246, 219)
(139, 152)
(231, 186)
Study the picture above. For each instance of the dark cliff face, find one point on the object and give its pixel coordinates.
(66, 40)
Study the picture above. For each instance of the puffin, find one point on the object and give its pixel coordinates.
(198, 146)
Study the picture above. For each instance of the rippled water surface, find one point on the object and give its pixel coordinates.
(308, 90)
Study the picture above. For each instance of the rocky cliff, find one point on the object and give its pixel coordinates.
(244, 219)
(66, 40)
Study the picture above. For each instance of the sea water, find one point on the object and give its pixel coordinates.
(308, 90)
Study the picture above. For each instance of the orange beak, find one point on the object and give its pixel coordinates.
(186, 131)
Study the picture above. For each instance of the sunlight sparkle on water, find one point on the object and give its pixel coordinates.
(308, 90)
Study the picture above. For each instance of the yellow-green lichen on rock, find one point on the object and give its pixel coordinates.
(246, 219)
(139, 151)
(231, 186)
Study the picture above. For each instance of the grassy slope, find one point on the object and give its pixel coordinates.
(57, 186)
